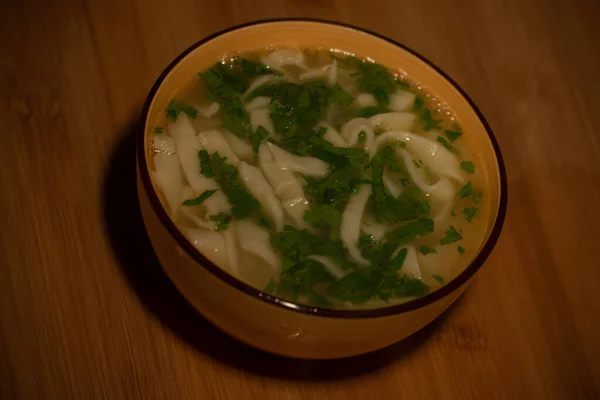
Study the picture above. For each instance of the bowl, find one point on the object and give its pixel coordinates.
(265, 321)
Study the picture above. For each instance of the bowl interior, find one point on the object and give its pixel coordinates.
(313, 34)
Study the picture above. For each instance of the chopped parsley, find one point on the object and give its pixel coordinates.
(427, 250)
(452, 135)
(324, 216)
(408, 206)
(362, 138)
(460, 249)
(410, 231)
(469, 213)
(424, 115)
(445, 143)
(452, 236)
(257, 137)
(363, 284)
(296, 108)
(225, 83)
(468, 167)
(340, 96)
(388, 153)
(222, 220)
(271, 286)
(200, 199)
(418, 105)
(158, 130)
(453, 213)
(227, 176)
(438, 278)
(466, 191)
(175, 107)
(205, 167)
(368, 246)
(368, 112)
(427, 120)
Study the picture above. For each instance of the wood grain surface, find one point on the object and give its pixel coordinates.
(86, 311)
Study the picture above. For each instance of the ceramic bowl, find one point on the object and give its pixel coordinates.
(265, 321)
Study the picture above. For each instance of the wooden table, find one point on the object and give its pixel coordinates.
(87, 313)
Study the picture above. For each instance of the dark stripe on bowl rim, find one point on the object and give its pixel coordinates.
(189, 248)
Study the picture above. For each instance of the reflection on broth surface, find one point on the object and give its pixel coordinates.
(320, 178)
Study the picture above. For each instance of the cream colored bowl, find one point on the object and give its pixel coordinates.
(265, 321)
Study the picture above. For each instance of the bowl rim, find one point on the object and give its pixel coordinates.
(196, 255)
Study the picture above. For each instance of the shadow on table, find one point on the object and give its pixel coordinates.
(139, 264)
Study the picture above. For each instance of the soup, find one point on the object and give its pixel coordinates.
(320, 178)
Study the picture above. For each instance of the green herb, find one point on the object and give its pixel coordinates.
(271, 286)
(229, 80)
(388, 153)
(381, 280)
(466, 191)
(410, 231)
(175, 107)
(452, 236)
(253, 68)
(453, 213)
(222, 82)
(445, 143)
(460, 249)
(427, 120)
(158, 131)
(257, 137)
(356, 287)
(468, 167)
(205, 167)
(371, 78)
(226, 83)
(427, 250)
(324, 216)
(368, 246)
(438, 278)
(362, 138)
(398, 261)
(264, 221)
(235, 117)
(416, 164)
(222, 220)
(411, 287)
(424, 115)
(402, 144)
(301, 278)
(340, 96)
(368, 112)
(409, 205)
(296, 245)
(418, 105)
(300, 275)
(227, 176)
(469, 213)
(296, 108)
(200, 199)
(453, 135)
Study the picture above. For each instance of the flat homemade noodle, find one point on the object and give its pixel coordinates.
(323, 179)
